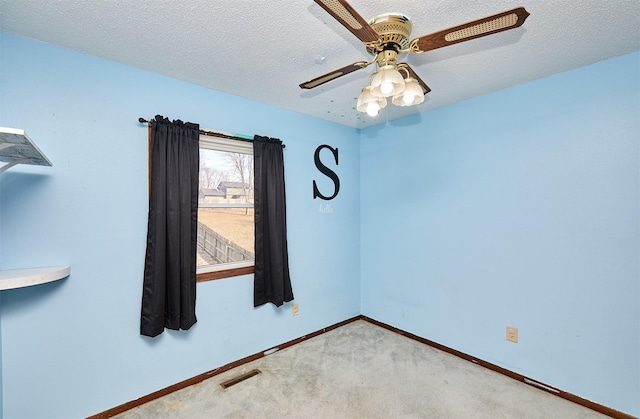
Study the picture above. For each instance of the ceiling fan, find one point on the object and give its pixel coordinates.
(385, 36)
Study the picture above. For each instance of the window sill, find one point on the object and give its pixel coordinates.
(208, 273)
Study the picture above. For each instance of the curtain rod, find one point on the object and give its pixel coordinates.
(219, 134)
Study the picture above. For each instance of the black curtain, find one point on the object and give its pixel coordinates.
(169, 290)
(271, 278)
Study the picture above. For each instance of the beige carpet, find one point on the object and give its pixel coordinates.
(361, 370)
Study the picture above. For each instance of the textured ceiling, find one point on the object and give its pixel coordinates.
(263, 49)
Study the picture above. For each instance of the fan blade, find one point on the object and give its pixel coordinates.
(334, 75)
(425, 89)
(344, 13)
(471, 30)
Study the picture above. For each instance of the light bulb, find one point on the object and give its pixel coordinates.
(412, 94)
(408, 97)
(373, 108)
(386, 88)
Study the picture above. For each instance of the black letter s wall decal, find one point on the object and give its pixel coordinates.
(327, 172)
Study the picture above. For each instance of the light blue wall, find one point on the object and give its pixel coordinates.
(73, 346)
(520, 208)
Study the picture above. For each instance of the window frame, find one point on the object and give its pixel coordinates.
(209, 140)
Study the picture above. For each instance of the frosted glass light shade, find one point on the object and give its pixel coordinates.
(369, 103)
(412, 94)
(387, 82)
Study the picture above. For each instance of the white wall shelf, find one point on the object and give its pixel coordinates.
(17, 148)
(19, 278)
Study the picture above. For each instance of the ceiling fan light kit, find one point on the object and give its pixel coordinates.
(385, 36)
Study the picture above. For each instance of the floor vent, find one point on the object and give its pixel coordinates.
(239, 379)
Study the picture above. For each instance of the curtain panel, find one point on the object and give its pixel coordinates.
(272, 283)
(169, 287)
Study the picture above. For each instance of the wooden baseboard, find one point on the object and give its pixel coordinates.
(530, 381)
(199, 378)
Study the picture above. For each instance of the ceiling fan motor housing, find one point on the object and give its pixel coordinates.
(394, 30)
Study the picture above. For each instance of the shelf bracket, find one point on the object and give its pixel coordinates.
(13, 163)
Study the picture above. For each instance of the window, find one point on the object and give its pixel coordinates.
(225, 208)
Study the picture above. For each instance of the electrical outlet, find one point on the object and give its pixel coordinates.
(294, 309)
(512, 334)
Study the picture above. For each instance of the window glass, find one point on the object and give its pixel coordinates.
(225, 205)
